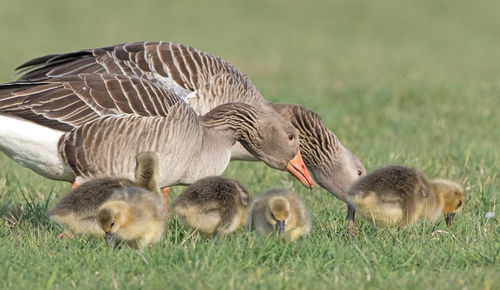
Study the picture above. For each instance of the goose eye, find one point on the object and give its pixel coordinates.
(360, 172)
(291, 136)
(459, 204)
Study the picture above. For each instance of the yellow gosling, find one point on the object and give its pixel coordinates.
(279, 211)
(397, 195)
(133, 215)
(77, 211)
(213, 205)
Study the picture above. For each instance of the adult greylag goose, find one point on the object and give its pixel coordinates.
(189, 147)
(203, 80)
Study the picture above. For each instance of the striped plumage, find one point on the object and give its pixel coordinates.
(190, 147)
(202, 80)
(106, 146)
(67, 102)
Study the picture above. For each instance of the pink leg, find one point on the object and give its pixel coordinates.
(75, 185)
(65, 234)
(165, 192)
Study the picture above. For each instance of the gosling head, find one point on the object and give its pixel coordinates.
(111, 217)
(452, 196)
(278, 213)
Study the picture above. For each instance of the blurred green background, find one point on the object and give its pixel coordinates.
(314, 43)
(409, 82)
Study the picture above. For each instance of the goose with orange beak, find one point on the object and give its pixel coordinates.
(189, 147)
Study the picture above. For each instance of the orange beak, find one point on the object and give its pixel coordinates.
(296, 167)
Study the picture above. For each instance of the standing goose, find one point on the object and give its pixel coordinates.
(189, 147)
(202, 80)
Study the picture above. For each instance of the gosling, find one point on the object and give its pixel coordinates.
(133, 215)
(77, 211)
(281, 211)
(213, 205)
(397, 195)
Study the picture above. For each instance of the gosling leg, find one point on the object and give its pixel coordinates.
(166, 191)
(351, 228)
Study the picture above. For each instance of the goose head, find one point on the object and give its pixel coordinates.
(265, 134)
(276, 142)
(332, 165)
(451, 196)
(337, 174)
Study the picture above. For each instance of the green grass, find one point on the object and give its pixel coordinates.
(412, 83)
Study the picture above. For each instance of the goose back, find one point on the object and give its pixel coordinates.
(204, 80)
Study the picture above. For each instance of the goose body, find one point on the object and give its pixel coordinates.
(397, 195)
(279, 211)
(213, 205)
(190, 147)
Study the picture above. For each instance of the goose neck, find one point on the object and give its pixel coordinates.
(236, 119)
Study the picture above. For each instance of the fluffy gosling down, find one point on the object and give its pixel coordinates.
(77, 211)
(396, 195)
(281, 211)
(213, 205)
(134, 215)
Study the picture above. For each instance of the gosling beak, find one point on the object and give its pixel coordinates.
(298, 169)
(449, 218)
(280, 227)
(110, 238)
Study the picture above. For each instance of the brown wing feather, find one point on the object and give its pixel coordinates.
(67, 102)
(188, 67)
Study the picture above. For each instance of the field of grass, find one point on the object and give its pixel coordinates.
(413, 83)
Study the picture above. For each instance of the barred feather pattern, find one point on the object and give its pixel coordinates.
(318, 145)
(74, 100)
(237, 117)
(108, 146)
(204, 80)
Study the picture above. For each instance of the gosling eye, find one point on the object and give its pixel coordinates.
(360, 172)
(291, 136)
(112, 224)
(459, 204)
